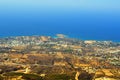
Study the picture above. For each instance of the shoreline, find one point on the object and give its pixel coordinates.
(68, 36)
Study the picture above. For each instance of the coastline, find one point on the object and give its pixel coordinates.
(68, 36)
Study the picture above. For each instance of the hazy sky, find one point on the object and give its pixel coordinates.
(78, 4)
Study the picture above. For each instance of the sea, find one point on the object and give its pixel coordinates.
(81, 19)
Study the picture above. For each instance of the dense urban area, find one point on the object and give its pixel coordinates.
(59, 58)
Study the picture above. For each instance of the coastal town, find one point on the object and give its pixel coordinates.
(58, 58)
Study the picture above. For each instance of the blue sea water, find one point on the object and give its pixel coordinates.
(84, 19)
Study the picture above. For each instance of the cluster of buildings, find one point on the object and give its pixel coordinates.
(94, 56)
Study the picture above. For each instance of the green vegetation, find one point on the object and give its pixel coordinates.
(1, 78)
(58, 77)
(31, 77)
(24, 76)
(86, 76)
